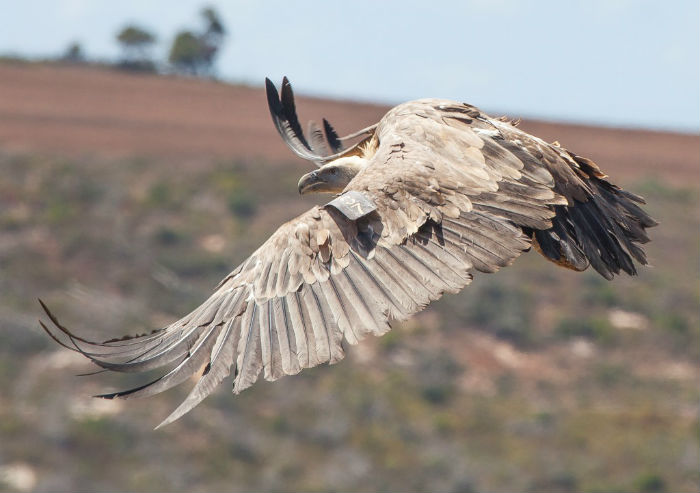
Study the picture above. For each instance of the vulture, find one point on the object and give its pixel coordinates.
(434, 192)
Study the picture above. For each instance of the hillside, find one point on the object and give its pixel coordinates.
(124, 199)
(78, 111)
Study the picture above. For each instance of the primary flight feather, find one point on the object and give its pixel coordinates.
(432, 193)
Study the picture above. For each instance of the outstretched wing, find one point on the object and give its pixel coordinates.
(596, 222)
(600, 225)
(448, 198)
(324, 145)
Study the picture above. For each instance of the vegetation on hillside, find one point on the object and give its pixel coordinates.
(535, 378)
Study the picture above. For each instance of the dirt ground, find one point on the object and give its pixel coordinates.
(86, 111)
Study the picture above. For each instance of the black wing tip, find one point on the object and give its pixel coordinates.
(47, 311)
(106, 396)
(283, 111)
(273, 98)
(125, 394)
(72, 337)
(286, 89)
(269, 84)
(58, 325)
(271, 87)
(332, 137)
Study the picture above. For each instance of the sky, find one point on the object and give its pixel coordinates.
(631, 63)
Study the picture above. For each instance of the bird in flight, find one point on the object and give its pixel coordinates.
(432, 193)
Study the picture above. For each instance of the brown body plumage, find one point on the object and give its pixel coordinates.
(436, 191)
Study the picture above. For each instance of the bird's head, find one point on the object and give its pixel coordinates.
(332, 177)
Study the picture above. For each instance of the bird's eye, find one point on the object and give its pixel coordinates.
(334, 171)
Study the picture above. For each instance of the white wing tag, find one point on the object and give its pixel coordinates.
(353, 204)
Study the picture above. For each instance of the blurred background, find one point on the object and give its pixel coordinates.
(138, 166)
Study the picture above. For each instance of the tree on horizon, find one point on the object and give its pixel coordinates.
(194, 52)
(74, 53)
(212, 38)
(186, 53)
(136, 43)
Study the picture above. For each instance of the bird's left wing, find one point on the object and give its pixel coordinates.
(324, 145)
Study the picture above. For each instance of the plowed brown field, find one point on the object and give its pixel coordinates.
(87, 111)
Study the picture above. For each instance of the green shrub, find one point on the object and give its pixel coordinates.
(599, 292)
(242, 203)
(438, 394)
(595, 328)
(504, 310)
(650, 483)
(608, 375)
(159, 195)
(674, 322)
(166, 236)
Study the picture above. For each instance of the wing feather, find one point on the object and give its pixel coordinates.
(317, 326)
(264, 322)
(249, 362)
(412, 289)
(219, 368)
(296, 318)
(290, 361)
(367, 308)
(194, 360)
(328, 337)
(338, 306)
(386, 290)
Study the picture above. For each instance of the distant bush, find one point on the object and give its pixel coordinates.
(166, 236)
(74, 53)
(137, 65)
(391, 340)
(242, 203)
(438, 394)
(674, 322)
(660, 189)
(159, 195)
(564, 481)
(437, 377)
(14, 58)
(505, 311)
(608, 375)
(599, 292)
(196, 264)
(597, 329)
(650, 483)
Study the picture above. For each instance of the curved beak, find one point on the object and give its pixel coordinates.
(308, 182)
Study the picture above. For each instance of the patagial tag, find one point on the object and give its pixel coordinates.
(353, 204)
